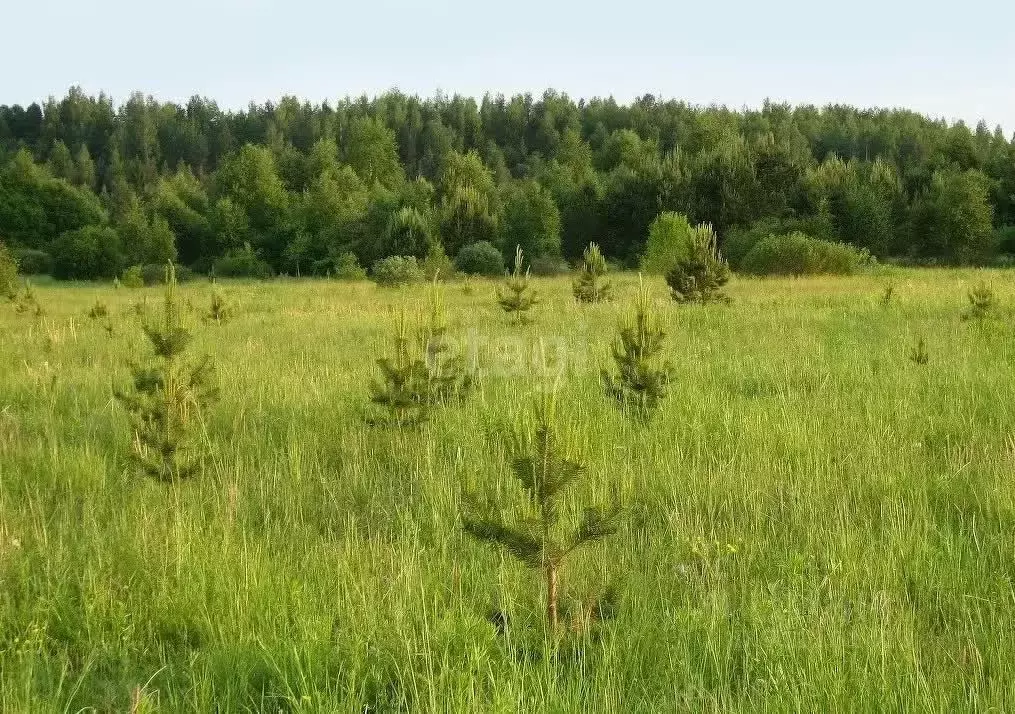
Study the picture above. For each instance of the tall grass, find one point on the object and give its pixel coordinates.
(812, 523)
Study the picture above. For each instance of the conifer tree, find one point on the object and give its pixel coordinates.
(641, 378)
(447, 375)
(538, 535)
(169, 396)
(220, 310)
(8, 273)
(981, 302)
(589, 285)
(517, 296)
(422, 371)
(700, 275)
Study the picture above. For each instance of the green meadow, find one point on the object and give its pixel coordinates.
(813, 521)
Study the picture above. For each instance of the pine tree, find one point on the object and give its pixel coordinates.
(589, 286)
(447, 376)
(981, 302)
(538, 536)
(700, 275)
(517, 297)
(641, 379)
(220, 310)
(919, 354)
(422, 372)
(168, 397)
(8, 273)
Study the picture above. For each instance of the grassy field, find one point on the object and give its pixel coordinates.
(813, 521)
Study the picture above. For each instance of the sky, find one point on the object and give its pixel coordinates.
(950, 62)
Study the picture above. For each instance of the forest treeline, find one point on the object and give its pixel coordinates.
(88, 187)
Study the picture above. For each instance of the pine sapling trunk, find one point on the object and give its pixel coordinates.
(551, 595)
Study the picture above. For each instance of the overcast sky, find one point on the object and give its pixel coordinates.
(955, 62)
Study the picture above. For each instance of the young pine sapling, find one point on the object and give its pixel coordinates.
(641, 378)
(540, 536)
(517, 296)
(700, 275)
(590, 286)
(168, 397)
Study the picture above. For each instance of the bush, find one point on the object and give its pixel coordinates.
(669, 239)
(548, 266)
(8, 273)
(799, 254)
(347, 267)
(480, 258)
(396, 270)
(155, 274)
(242, 263)
(1005, 240)
(132, 277)
(33, 262)
(87, 253)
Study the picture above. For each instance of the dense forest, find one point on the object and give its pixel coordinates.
(88, 188)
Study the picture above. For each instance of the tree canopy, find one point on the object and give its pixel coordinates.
(305, 185)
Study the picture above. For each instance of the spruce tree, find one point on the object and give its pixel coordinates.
(517, 296)
(700, 275)
(538, 536)
(641, 378)
(589, 286)
(169, 397)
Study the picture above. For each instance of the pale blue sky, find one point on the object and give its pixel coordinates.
(954, 62)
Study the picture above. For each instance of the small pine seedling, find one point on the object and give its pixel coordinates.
(98, 310)
(220, 310)
(168, 397)
(422, 372)
(517, 297)
(447, 376)
(28, 302)
(918, 353)
(589, 286)
(641, 379)
(538, 536)
(887, 295)
(700, 275)
(981, 302)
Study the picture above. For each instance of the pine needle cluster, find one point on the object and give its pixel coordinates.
(641, 377)
(538, 536)
(590, 286)
(169, 396)
(517, 296)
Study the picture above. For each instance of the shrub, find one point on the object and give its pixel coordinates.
(548, 266)
(33, 262)
(87, 253)
(396, 270)
(347, 267)
(669, 239)
(799, 254)
(700, 276)
(242, 263)
(155, 274)
(480, 258)
(8, 273)
(133, 277)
